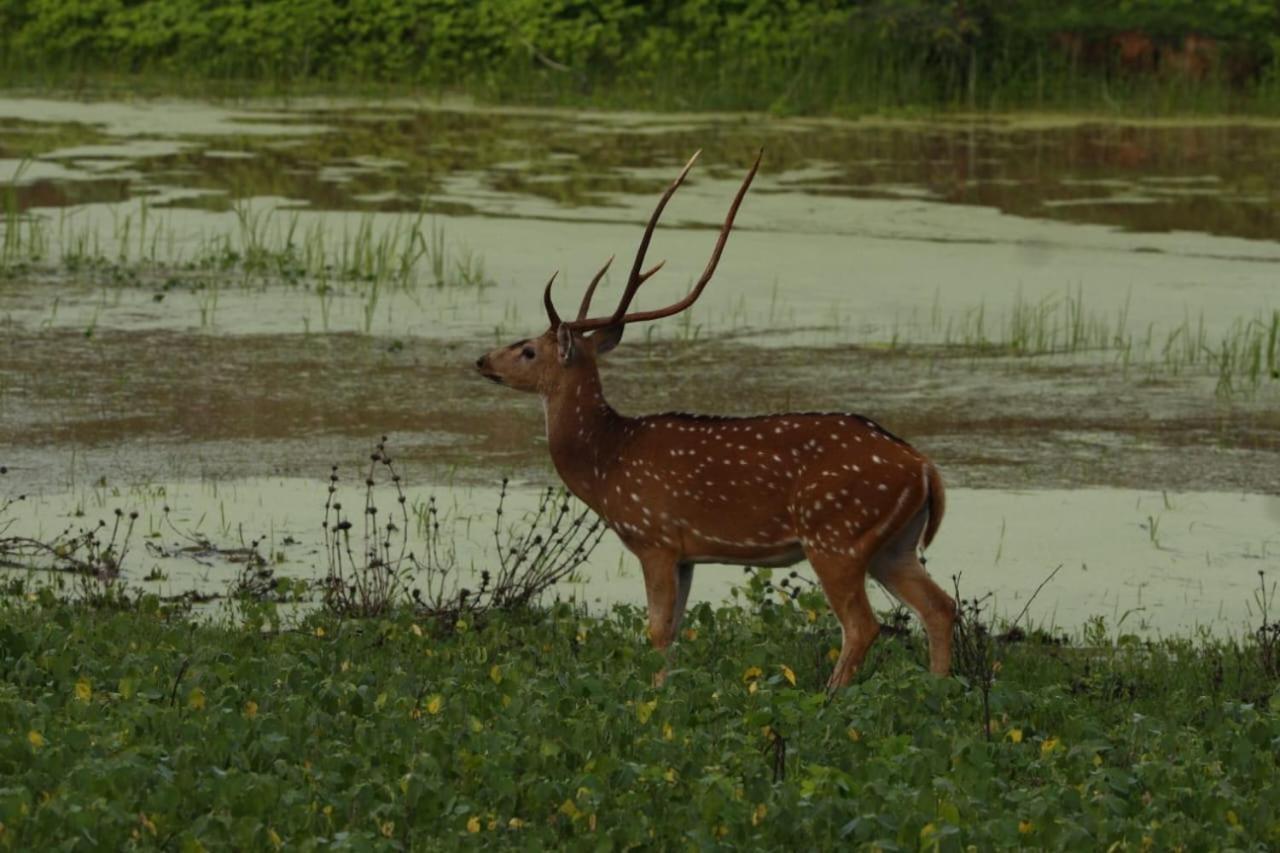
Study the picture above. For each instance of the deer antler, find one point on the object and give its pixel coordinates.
(591, 288)
(585, 306)
(637, 278)
(546, 300)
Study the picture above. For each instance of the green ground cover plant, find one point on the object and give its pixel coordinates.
(806, 56)
(538, 728)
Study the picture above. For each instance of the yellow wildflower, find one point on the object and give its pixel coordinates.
(570, 809)
(388, 828)
(495, 674)
(757, 816)
(84, 690)
(275, 839)
(251, 709)
(434, 704)
(1014, 735)
(667, 732)
(788, 674)
(195, 699)
(473, 824)
(752, 673)
(417, 632)
(644, 710)
(1025, 827)
(854, 735)
(319, 631)
(833, 654)
(1049, 745)
(35, 739)
(515, 823)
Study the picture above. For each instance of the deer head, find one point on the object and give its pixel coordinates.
(568, 349)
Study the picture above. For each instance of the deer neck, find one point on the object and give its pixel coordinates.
(583, 432)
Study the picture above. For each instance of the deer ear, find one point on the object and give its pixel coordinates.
(607, 338)
(564, 343)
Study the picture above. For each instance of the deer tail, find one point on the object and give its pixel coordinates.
(937, 503)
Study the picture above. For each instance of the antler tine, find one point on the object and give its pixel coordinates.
(652, 271)
(635, 279)
(707, 273)
(591, 289)
(546, 300)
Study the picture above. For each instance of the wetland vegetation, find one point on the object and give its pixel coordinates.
(207, 641)
(538, 728)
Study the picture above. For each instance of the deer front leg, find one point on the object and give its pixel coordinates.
(684, 582)
(663, 589)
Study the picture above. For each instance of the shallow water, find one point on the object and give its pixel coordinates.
(861, 248)
(864, 228)
(1147, 562)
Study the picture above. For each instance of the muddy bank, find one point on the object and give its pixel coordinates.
(148, 407)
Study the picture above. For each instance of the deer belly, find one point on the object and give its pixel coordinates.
(738, 538)
(775, 557)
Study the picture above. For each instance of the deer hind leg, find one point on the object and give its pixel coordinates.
(898, 568)
(844, 580)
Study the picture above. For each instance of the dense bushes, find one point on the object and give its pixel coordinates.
(808, 55)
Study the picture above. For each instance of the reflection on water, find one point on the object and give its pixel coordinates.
(1213, 178)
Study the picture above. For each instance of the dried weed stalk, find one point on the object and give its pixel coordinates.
(373, 570)
(376, 578)
(93, 555)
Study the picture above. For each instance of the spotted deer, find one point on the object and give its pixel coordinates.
(680, 489)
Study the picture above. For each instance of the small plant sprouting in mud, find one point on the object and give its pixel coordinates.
(1152, 526)
(6, 502)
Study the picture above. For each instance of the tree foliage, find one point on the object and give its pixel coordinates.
(752, 51)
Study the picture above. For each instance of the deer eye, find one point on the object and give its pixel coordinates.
(527, 352)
